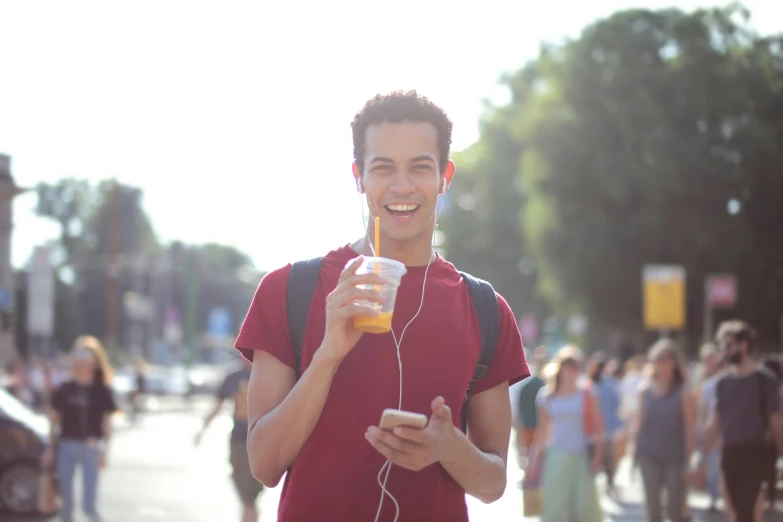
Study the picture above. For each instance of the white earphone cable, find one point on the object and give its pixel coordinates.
(387, 465)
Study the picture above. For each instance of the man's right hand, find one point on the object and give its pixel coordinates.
(340, 336)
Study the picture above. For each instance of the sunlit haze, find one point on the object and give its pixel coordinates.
(233, 117)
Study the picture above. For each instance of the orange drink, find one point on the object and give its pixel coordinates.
(381, 323)
(391, 272)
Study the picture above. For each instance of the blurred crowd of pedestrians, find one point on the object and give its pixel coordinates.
(75, 391)
(712, 425)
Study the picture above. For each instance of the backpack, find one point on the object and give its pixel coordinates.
(301, 286)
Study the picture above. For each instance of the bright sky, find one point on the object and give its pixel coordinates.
(233, 117)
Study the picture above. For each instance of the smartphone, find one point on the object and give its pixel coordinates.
(392, 418)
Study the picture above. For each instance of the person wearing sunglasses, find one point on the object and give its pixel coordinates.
(747, 419)
(81, 426)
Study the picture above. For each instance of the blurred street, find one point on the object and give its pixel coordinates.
(590, 199)
(155, 473)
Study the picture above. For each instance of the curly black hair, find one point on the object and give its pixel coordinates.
(395, 107)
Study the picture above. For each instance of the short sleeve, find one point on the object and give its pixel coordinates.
(109, 404)
(543, 393)
(508, 364)
(265, 326)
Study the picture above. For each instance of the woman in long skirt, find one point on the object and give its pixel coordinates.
(567, 449)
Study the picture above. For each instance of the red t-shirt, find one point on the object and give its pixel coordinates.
(335, 475)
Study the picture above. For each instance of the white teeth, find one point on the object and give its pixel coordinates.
(402, 208)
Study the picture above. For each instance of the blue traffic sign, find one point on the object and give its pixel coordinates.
(219, 322)
(5, 299)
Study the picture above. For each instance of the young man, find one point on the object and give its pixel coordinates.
(322, 428)
(747, 416)
(234, 387)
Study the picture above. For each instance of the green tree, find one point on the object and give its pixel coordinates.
(69, 203)
(483, 232)
(105, 232)
(207, 276)
(634, 140)
(122, 244)
(91, 219)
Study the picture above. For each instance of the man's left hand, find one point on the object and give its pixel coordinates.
(413, 448)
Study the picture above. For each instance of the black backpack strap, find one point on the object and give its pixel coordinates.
(301, 286)
(486, 305)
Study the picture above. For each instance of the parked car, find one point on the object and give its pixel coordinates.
(24, 437)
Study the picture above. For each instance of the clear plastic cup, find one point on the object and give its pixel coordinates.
(391, 271)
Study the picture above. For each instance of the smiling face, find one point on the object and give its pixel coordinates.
(402, 178)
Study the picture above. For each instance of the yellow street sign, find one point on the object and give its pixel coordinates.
(664, 297)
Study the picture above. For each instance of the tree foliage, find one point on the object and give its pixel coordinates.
(635, 141)
(483, 236)
(105, 233)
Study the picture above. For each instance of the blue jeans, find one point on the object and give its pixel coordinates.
(713, 474)
(71, 453)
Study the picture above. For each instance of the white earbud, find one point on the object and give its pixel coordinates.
(443, 186)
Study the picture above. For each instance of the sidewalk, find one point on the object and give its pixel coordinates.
(628, 506)
(163, 404)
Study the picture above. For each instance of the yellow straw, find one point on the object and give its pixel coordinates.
(377, 236)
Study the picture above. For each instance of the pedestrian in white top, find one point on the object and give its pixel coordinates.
(630, 386)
